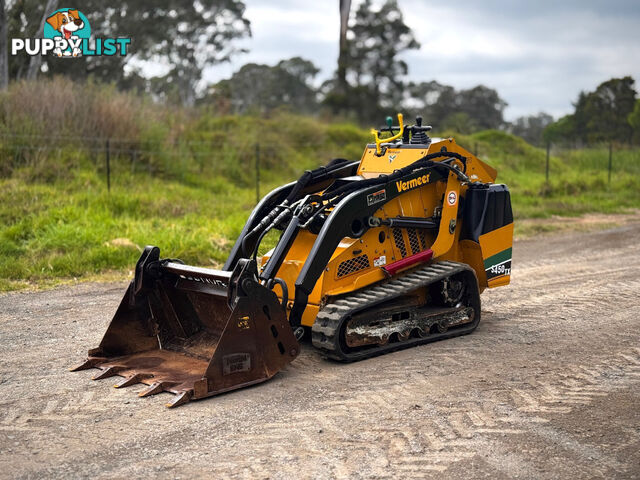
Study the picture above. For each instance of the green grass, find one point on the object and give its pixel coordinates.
(578, 179)
(65, 225)
(75, 229)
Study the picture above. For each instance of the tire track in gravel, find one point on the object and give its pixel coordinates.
(552, 352)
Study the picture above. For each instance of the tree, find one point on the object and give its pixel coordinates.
(578, 121)
(182, 37)
(341, 76)
(444, 107)
(607, 110)
(22, 21)
(459, 122)
(374, 73)
(531, 127)
(484, 105)
(4, 55)
(36, 61)
(601, 115)
(562, 131)
(433, 100)
(263, 88)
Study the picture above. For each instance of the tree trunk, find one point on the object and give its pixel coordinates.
(36, 60)
(4, 53)
(345, 8)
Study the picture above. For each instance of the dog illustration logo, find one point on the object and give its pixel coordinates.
(68, 27)
(67, 34)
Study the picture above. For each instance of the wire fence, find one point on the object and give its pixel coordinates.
(249, 159)
(178, 158)
(603, 156)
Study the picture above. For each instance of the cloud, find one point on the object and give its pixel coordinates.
(283, 29)
(537, 55)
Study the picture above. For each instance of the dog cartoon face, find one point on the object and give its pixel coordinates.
(66, 22)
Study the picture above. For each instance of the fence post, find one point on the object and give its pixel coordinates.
(133, 155)
(610, 159)
(108, 167)
(547, 167)
(257, 172)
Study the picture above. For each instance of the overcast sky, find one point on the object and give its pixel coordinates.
(538, 54)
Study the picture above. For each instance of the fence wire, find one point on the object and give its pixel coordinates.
(197, 155)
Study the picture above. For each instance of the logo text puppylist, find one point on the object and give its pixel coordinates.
(67, 34)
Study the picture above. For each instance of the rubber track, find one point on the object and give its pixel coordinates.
(326, 329)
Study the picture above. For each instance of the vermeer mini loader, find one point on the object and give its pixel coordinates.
(386, 253)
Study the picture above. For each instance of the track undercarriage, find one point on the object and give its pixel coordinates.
(424, 305)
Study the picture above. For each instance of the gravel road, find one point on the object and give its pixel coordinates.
(547, 387)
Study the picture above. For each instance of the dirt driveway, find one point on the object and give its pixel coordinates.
(547, 387)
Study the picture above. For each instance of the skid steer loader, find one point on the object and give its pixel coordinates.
(373, 256)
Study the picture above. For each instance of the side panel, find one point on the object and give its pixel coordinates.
(496, 253)
(472, 256)
(488, 221)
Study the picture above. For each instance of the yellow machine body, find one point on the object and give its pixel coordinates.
(390, 252)
(357, 263)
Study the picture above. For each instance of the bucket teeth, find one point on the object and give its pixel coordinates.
(108, 372)
(155, 388)
(89, 363)
(132, 380)
(180, 399)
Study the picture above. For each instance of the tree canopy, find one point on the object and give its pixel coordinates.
(465, 111)
(602, 115)
(531, 127)
(261, 88)
(180, 38)
(374, 72)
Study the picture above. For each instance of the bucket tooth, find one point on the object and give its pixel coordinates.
(180, 399)
(108, 372)
(155, 388)
(89, 363)
(132, 380)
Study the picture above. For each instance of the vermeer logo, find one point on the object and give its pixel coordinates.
(67, 34)
(413, 183)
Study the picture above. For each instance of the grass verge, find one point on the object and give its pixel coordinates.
(67, 227)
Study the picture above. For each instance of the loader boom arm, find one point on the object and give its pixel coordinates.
(351, 217)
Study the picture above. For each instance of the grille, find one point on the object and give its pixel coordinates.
(414, 243)
(423, 238)
(399, 241)
(352, 265)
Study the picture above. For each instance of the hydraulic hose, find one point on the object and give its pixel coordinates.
(426, 161)
(278, 214)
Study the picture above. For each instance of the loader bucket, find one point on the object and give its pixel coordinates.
(194, 332)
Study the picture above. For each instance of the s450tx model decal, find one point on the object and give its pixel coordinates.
(498, 265)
